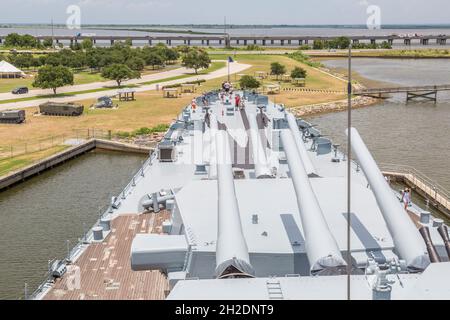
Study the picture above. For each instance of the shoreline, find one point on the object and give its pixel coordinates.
(333, 106)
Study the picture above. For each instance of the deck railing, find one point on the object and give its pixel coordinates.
(436, 191)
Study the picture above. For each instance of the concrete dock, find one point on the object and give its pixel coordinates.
(63, 156)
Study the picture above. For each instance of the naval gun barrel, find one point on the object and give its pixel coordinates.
(293, 126)
(321, 247)
(213, 129)
(407, 240)
(434, 256)
(443, 231)
(262, 169)
(232, 258)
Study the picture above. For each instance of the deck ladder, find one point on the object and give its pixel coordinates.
(274, 289)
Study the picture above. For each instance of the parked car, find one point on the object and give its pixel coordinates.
(20, 90)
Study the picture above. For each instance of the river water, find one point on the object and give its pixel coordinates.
(39, 215)
(415, 134)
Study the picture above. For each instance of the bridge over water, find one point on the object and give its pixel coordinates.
(227, 40)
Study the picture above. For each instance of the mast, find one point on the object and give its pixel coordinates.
(349, 168)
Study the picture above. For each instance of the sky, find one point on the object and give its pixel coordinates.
(300, 12)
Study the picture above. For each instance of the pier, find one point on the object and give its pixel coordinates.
(436, 195)
(227, 40)
(428, 93)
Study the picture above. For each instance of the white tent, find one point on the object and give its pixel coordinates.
(7, 70)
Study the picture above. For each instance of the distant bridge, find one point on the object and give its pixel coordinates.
(227, 40)
(414, 92)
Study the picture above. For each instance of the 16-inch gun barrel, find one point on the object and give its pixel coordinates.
(321, 247)
(407, 239)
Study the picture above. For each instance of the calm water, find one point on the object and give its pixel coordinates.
(38, 216)
(415, 134)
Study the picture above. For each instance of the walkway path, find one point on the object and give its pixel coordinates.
(234, 68)
(97, 85)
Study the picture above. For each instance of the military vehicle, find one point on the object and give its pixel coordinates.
(61, 109)
(12, 116)
(103, 102)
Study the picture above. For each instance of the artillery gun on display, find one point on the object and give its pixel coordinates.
(104, 102)
(12, 116)
(61, 109)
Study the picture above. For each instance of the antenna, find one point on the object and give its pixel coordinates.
(225, 25)
(349, 167)
(53, 35)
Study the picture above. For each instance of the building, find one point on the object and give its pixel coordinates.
(7, 70)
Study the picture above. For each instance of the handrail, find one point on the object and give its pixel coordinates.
(416, 176)
(403, 89)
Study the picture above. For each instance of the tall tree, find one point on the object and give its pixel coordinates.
(87, 44)
(53, 77)
(119, 73)
(249, 82)
(196, 59)
(298, 73)
(277, 69)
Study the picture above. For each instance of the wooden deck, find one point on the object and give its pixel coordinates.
(104, 269)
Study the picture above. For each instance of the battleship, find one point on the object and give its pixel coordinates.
(249, 202)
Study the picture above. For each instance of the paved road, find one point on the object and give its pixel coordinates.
(234, 68)
(97, 85)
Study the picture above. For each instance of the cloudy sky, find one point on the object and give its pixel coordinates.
(237, 11)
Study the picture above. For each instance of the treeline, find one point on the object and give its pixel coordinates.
(344, 43)
(98, 58)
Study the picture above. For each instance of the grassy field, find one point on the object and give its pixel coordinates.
(12, 164)
(151, 109)
(83, 77)
(315, 80)
(6, 85)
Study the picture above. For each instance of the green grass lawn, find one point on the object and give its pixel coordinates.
(15, 163)
(214, 66)
(6, 85)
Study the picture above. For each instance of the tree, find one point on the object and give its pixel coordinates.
(318, 45)
(119, 73)
(154, 59)
(249, 82)
(196, 59)
(277, 69)
(298, 73)
(53, 77)
(16, 40)
(87, 44)
(47, 42)
(135, 63)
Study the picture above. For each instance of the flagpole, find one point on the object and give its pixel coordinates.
(228, 69)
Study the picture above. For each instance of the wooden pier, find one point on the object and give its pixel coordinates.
(438, 197)
(428, 93)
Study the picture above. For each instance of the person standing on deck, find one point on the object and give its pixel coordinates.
(407, 198)
(237, 101)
